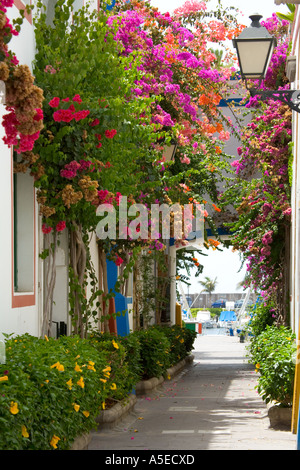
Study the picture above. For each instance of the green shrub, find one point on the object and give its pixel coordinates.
(215, 311)
(189, 337)
(272, 352)
(133, 356)
(176, 337)
(155, 352)
(194, 311)
(124, 359)
(261, 318)
(53, 392)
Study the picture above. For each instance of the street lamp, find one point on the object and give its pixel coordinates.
(255, 47)
(170, 150)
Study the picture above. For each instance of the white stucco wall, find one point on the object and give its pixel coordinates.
(15, 319)
(295, 200)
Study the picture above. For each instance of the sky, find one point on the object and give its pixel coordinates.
(264, 7)
(225, 265)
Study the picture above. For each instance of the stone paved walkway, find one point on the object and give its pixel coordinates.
(211, 405)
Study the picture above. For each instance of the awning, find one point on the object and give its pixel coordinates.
(227, 316)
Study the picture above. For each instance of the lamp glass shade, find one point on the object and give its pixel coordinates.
(254, 57)
(254, 47)
(2, 92)
(169, 152)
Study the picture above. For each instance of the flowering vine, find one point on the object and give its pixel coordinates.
(109, 108)
(262, 193)
(23, 99)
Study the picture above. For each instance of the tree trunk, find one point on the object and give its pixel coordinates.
(50, 284)
(78, 258)
(104, 288)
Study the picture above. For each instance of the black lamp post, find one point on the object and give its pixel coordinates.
(255, 47)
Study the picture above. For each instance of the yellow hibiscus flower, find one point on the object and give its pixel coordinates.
(91, 366)
(70, 384)
(14, 408)
(81, 382)
(24, 431)
(54, 441)
(58, 366)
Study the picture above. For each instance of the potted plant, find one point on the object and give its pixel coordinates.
(273, 354)
(242, 337)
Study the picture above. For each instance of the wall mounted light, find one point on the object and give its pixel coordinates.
(255, 47)
(2, 92)
(170, 150)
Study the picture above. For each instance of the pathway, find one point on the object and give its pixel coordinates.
(211, 405)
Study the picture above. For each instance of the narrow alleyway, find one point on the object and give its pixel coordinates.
(211, 405)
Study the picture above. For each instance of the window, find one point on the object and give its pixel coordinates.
(23, 232)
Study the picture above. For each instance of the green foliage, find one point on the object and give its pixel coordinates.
(52, 390)
(194, 311)
(155, 350)
(215, 311)
(262, 316)
(181, 342)
(189, 337)
(289, 16)
(209, 285)
(273, 354)
(124, 360)
(84, 59)
(133, 355)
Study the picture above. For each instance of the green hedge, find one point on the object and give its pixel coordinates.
(155, 349)
(163, 347)
(124, 361)
(52, 390)
(181, 342)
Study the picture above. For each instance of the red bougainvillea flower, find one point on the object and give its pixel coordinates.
(61, 226)
(46, 229)
(81, 114)
(110, 133)
(95, 122)
(77, 99)
(54, 103)
(39, 115)
(70, 170)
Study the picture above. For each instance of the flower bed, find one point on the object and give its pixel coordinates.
(52, 391)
